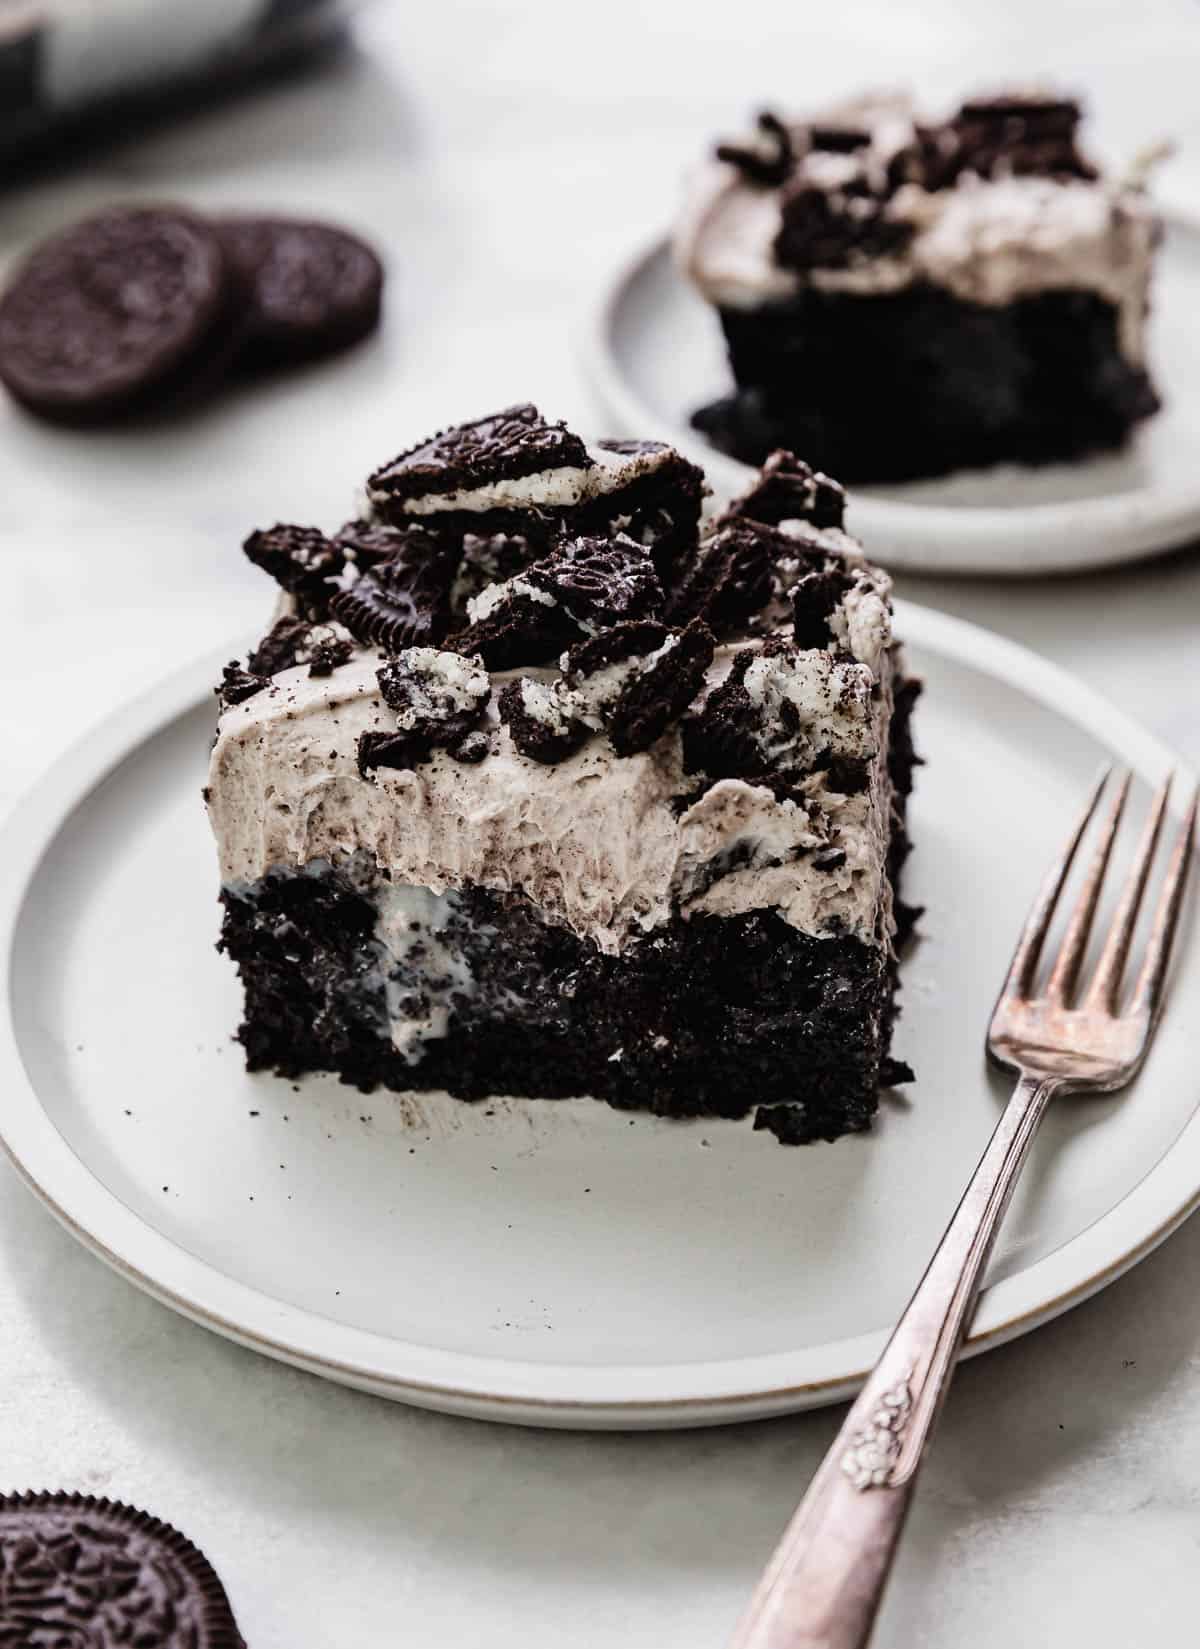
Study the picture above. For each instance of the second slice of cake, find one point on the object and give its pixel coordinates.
(903, 296)
(539, 786)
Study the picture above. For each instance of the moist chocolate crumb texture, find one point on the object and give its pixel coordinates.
(543, 784)
(902, 297)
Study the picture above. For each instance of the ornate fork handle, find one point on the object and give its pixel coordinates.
(823, 1587)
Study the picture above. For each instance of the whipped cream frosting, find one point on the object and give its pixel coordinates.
(595, 842)
(988, 241)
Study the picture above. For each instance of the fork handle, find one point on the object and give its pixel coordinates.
(823, 1587)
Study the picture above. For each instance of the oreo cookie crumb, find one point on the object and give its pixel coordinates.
(599, 582)
(814, 600)
(894, 1072)
(587, 584)
(1020, 136)
(326, 647)
(475, 747)
(278, 649)
(771, 158)
(405, 600)
(730, 580)
(364, 544)
(539, 726)
(438, 697)
(661, 689)
(398, 750)
(301, 560)
(238, 685)
(788, 489)
(832, 229)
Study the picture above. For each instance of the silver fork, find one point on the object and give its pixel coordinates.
(824, 1584)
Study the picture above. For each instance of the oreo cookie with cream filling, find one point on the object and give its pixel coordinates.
(787, 489)
(457, 464)
(539, 725)
(312, 288)
(79, 1571)
(132, 310)
(586, 585)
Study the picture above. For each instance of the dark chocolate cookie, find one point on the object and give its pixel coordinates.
(540, 728)
(504, 446)
(788, 489)
(405, 600)
(661, 690)
(311, 288)
(132, 309)
(77, 1570)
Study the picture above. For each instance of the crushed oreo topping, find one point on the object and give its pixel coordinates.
(833, 228)
(493, 558)
(541, 729)
(814, 599)
(838, 137)
(730, 579)
(787, 489)
(405, 600)
(1020, 136)
(475, 747)
(438, 697)
(301, 560)
(279, 648)
(587, 584)
(238, 685)
(325, 647)
(390, 750)
(600, 582)
(292, 641)
(660, 689)
(364, 544)
(829, 858)
(504, 446)
(769, 159)
(770, 720)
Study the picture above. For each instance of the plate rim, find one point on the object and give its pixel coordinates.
(541, 1393)
(1074, 535)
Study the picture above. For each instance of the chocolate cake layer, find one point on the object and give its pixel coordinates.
(953, 385)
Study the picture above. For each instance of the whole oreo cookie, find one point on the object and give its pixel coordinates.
(127, 310)
(76, 1570)
(312, 288)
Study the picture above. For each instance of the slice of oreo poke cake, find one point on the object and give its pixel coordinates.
(544, 783)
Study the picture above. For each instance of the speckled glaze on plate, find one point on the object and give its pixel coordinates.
(562, 1264)
(653, 352)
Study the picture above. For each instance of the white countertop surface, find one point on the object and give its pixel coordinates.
(503, 156)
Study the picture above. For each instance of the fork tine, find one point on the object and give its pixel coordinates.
(1104, 990)
(1147, 994)
(1067, 963)
(1033, 934)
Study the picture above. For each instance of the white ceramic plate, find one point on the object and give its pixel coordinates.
(561, 1263)
(654, 353)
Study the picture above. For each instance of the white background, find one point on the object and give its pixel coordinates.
(503, 156)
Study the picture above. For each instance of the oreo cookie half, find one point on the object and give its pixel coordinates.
(77, 1570)
(311, 288)
(124, 311)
